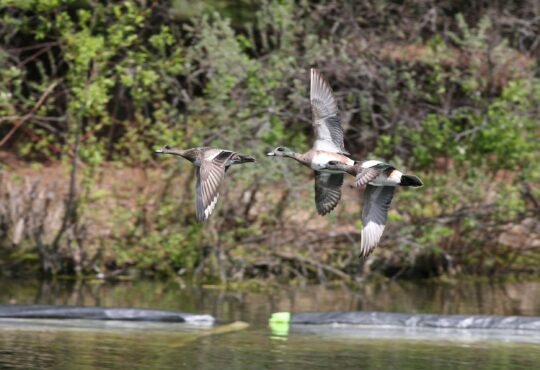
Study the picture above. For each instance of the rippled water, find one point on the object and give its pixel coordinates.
(33, 344)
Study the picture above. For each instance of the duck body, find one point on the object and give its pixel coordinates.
(387, 174)
(199, 155)
(375, 173)
(211, 165)
(320, 159)
(317, 160)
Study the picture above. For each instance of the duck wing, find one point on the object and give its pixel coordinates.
(209, 176)
(327, 191)
(375, 205)
(326, 120)
(365, 176)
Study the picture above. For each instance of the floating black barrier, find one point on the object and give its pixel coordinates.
(388, 319)
(99, 313)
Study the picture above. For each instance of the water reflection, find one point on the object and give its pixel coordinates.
(516, 298)
(69, 346)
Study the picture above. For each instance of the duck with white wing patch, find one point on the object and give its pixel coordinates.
(380, 180)
(211, 165)
(328, 145)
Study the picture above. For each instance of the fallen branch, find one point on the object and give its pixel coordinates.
(309, 261)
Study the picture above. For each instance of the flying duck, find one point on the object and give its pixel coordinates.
(380, 179)
(328, 145)
(211, 165)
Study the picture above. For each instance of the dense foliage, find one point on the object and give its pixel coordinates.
(449, 90)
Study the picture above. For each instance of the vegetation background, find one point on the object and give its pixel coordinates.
(449, 90)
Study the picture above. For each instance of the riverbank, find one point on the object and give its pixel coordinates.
(139, 221)
(449, 93)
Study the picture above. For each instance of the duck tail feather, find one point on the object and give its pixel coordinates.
(411, 181)
(246, 158)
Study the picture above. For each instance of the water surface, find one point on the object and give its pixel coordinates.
(32, 344)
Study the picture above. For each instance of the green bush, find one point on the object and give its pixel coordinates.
(452, 97)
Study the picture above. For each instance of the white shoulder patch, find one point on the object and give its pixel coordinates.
(395, 176)
(371, 163)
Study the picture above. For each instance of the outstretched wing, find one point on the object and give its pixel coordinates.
(365, 176)
(326, 121)
(375, 205)
(327, 191)
(209, 177)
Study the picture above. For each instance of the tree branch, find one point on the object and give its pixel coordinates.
(30, 114)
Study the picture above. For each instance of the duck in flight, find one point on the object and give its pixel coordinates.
(328, 145)
(380, 180)
(211, 164)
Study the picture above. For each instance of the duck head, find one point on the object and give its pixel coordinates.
(335, 166)
(169, 149)
(281, 151)
(241, 158)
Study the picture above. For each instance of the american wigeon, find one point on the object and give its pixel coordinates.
(380, 179)
(328, 145)
(211, 165)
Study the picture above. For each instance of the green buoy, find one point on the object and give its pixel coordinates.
(279, 323)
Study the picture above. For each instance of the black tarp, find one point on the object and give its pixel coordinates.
(417, 320)
(99, 313)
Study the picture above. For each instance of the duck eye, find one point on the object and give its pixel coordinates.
(167, 147)
(280, 149)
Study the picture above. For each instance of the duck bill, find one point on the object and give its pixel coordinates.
(271, 154)
(159, 151)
